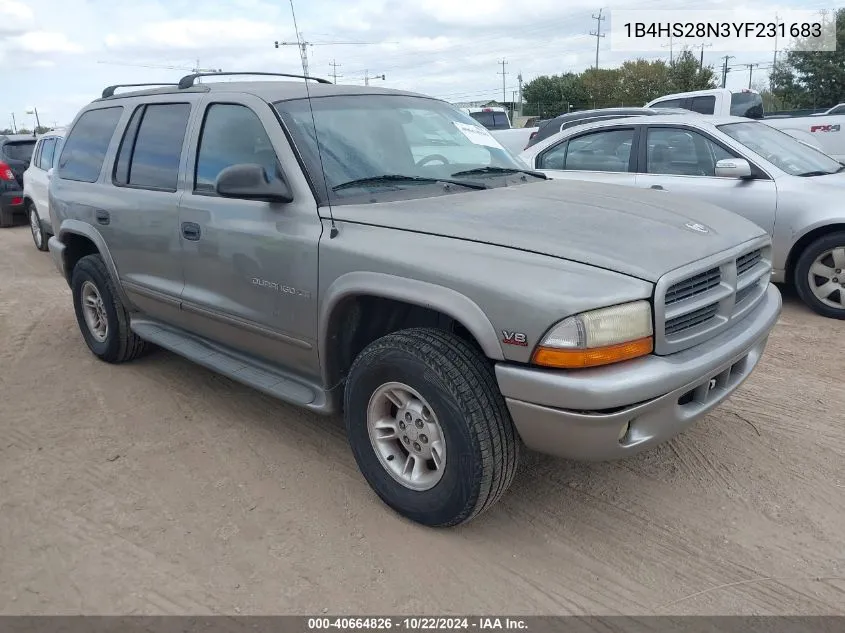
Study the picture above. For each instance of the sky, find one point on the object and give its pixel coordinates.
(57, 56)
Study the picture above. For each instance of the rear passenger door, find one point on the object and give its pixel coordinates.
(603, 155)
(250, 266)
(140, 217)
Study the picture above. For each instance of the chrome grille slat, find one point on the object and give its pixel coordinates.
(701, 300)
(691, 320)
(693, 286)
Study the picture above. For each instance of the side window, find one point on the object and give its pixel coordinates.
(45, 158)
(668, 103)
(681, 152)
(35, 161)
(703, 105)
(85, 148)
(553, 158)
(606, 150)
(151, 148)
(231, 135)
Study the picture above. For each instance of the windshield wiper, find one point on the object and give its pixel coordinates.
(821, 172)
(397, 178)
(499, 171)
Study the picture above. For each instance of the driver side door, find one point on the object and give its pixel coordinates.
(682, 160)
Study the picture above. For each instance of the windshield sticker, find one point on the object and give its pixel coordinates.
(477, 134)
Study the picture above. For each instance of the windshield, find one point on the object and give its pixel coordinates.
(366, 137)
(780, 149)
(747, 104)
(21, 151)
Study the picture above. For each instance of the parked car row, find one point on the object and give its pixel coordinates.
(379, 254)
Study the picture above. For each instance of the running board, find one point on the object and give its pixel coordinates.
(258, 375)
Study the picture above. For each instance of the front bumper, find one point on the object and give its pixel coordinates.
(617, 411)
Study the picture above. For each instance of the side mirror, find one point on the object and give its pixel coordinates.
(248, 181)
(733, 168)
(49, 173)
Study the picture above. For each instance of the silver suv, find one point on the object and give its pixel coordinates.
(377, 253)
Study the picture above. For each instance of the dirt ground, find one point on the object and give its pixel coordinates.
(158, 487)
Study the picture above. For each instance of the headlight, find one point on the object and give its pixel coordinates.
(598, 337)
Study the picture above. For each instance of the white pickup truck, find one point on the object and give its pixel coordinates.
(823, 131)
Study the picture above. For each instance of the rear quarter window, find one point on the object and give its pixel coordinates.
(85, 148)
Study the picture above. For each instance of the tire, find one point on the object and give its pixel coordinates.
(119, 343)
(821, 253)
(39, 235)
(458, 385)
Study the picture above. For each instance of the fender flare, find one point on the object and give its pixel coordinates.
(421, 293)
(83, 229)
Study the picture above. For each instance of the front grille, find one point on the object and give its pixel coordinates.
(693, 286)
(748, 261)
(697, 302)
(691, 320)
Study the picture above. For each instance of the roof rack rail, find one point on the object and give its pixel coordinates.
(109, 92)
(188, 80)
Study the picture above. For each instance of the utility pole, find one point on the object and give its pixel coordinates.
(519, 80)
(725, 69)
(750, 71)
(701, 57)
(14, 124)
(37, 120)
(334, 66)
(503, 74)
(671, 50)
(598, 34)
(367, 77)
(302, 45)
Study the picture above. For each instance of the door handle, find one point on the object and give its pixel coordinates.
(191, 231)
(102, 217)
(658, 187)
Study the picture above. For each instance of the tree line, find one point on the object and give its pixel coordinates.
(634, 83)
(23, 130)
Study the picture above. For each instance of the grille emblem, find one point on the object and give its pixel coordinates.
(698, 228)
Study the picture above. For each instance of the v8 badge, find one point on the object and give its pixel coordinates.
(514, 338)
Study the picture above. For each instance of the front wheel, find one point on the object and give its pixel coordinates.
(429, 429)
(39, 236)
(820, 275)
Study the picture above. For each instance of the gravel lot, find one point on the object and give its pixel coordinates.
(158, 487)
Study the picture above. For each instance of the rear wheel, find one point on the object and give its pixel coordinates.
(102, 317)
(38, 234)
(428, 426)
(820, 275)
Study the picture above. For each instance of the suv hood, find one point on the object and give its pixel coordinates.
(637, 232)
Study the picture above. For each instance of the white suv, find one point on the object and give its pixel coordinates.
(35, 181)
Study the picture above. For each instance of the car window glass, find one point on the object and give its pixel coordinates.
(35, 161)
(127, 143)
(85, 148)
(682, 152)
(232, 135)
(158, 146)
(45, 158)
(668, 103)
(19, 150)
(607, 150)
(703, 105)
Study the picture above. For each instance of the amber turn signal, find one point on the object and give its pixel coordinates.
(594, 357)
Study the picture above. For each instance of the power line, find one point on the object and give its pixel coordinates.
(503, 74)
(598, 34)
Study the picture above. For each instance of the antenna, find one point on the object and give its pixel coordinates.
(333, 233)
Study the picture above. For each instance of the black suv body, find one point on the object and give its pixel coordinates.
(15, 154)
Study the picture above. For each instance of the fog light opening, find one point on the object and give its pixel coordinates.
(624, 432)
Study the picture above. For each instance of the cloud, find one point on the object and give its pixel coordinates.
(12, 9)
(186, 34)
(45, 42)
